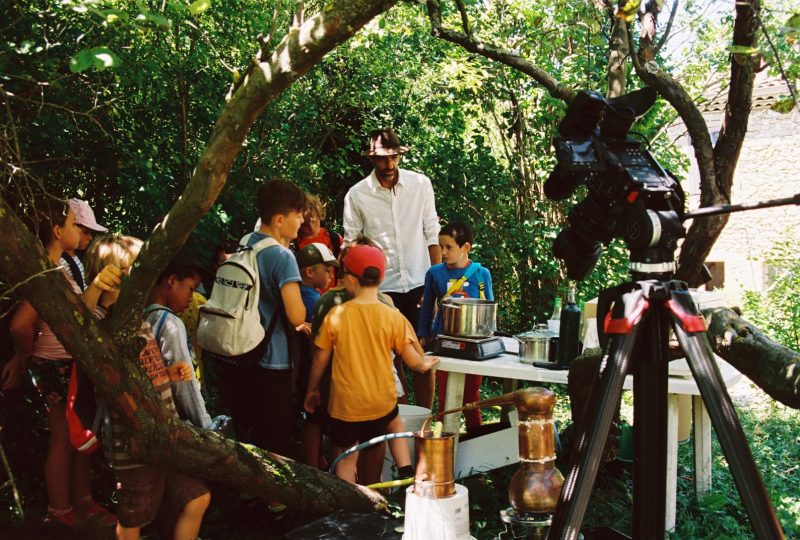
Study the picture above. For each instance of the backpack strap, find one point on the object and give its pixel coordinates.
(264, 243)
(473, 267)
(258, 246)
(160, 323)
(74, 269)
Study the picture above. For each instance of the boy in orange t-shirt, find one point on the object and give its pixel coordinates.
(360, 336)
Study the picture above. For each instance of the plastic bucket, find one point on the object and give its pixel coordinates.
(432, 518)
(413, 417)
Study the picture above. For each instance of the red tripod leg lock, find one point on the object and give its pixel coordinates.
(623, 323)
(685, 313)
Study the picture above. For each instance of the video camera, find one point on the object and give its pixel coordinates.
(629, 194)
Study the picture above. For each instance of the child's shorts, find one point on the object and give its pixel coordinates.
(51, 379)
(140, 492)
(346, 434)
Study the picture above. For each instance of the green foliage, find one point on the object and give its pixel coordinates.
(98, 57)
(481, 132)
(772, 430)
(777, 311)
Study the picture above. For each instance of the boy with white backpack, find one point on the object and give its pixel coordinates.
(254, 367)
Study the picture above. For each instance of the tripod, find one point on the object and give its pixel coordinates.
(639, 322)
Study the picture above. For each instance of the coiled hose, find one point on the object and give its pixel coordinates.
(372, 442)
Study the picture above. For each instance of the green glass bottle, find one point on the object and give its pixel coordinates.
(569, 331)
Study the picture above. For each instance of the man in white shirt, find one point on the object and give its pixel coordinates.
(396, 208)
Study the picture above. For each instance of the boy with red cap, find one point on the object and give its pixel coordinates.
(360, 336)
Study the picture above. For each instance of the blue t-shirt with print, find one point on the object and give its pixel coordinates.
(276, 267)
(438, 280)
(310, 296)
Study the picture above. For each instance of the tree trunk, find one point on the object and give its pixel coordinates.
(108, 350)
(617, 80)
(716, 190)
(771, 366)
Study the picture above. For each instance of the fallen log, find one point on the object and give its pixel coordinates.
(771, 366)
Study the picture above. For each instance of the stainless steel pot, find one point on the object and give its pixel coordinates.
(468, 317)
(534, 346)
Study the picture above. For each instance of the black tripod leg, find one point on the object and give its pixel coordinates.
(650, 374)
(730, 434)
(591, 439)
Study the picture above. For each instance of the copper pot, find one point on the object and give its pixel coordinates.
(435, 465)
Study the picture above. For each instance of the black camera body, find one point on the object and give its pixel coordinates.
(629, 195)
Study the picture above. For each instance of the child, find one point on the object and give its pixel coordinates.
(456, 276)
(261, 397)
(172, 294)
(311, 232)
(141, 489)
(335, 297)
(360, 335)
(86, 222)
(315, 261)
(66, 472)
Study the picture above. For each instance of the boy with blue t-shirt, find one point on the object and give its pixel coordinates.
(315, 261)
(261, 397)
(457, 276)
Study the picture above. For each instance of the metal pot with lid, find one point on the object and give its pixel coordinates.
(534, 346)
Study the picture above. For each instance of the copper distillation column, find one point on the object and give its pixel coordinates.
(536, 485)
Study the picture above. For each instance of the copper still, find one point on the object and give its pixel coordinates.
(435, 462)
(536, 486)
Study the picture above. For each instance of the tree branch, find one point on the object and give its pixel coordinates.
(497, 54)
(666, 35)
(299, 50)
(771, 366)
(464, 17)
(781, 70)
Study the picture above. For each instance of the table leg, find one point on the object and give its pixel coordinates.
(509, 385)
(701, 424)
(454, 399)
(672, 462)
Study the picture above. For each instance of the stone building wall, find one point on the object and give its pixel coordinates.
(768, 168)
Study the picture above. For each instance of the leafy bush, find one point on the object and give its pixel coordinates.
(777, 311)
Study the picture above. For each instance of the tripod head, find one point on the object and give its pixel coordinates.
(629, 194)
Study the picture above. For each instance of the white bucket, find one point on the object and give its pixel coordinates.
(439, 519)
(413, 417)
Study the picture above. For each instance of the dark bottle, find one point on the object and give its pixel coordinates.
(569, 331)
